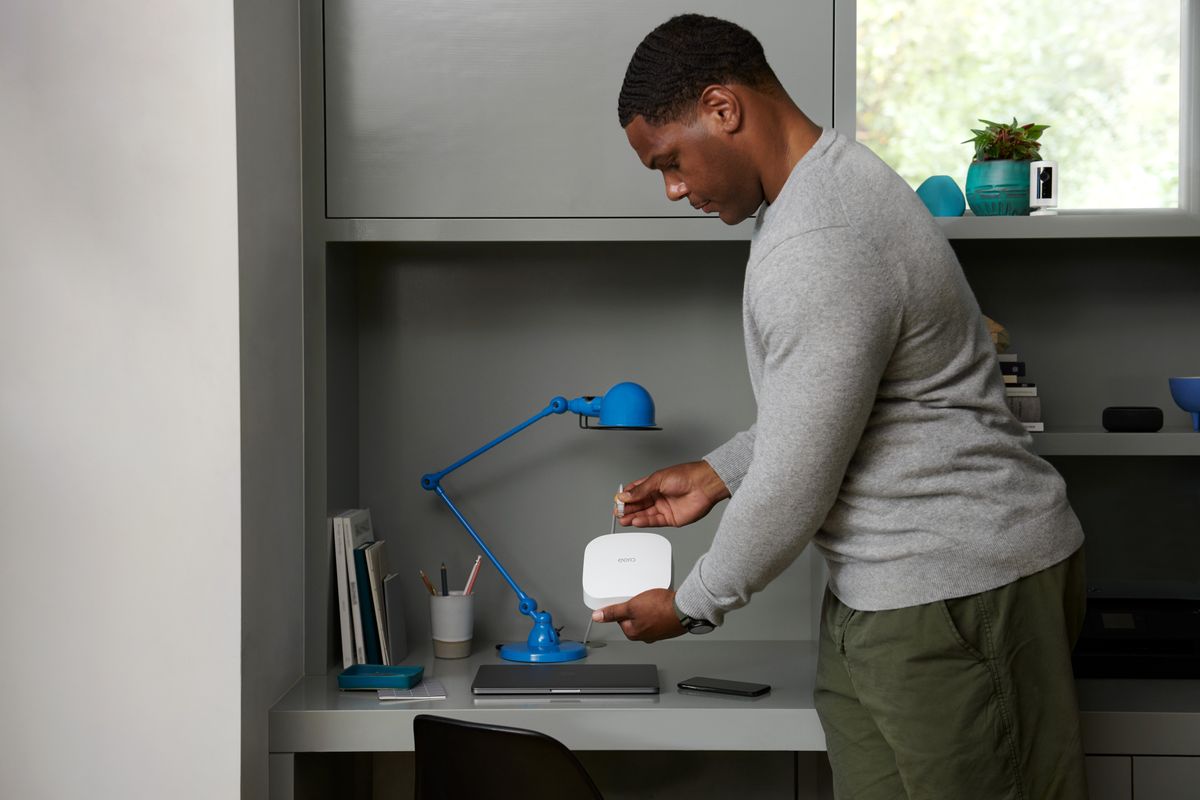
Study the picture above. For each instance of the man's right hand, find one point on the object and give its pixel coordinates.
(674, 496)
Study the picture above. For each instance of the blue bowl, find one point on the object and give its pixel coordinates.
(1186, 393)
(942, 197)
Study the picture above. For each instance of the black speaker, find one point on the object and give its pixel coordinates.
(1132, 419)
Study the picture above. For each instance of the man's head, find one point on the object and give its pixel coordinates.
(696, 97)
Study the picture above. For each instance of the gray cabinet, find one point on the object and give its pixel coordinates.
(1109, 777)
(1143, 777)
(507, 108)
(1166, 778)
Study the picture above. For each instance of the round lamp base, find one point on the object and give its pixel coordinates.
(520, 651)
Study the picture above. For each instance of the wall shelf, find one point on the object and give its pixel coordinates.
(698, 228)
(1075, 225)
(1094, 441)
(536, 229)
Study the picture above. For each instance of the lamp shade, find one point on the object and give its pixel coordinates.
(627, 406)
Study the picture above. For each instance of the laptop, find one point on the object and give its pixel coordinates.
(576, 679)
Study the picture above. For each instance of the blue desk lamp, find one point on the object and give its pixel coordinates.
(625, 407)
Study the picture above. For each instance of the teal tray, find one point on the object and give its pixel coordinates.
(378, 676)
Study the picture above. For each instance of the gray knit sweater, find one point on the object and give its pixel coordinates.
(882, 432)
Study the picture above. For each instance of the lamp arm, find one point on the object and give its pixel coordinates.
(527, 604)
(432, 482)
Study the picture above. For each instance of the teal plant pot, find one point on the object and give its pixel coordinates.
(998, 188)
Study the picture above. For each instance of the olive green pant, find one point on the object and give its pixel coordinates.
(965, 698)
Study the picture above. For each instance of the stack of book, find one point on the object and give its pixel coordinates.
(371, 614)
(1021, 393)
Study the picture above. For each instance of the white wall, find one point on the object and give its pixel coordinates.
(119, 433)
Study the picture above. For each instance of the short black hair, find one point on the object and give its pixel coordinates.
(678, 59)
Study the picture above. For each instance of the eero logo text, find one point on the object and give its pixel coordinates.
(629, 560)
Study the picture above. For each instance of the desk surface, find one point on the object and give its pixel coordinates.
(316, 717)
(1131, 717)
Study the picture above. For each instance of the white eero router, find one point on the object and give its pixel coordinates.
(618, 566)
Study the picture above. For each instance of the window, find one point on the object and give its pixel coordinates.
(1103, 74)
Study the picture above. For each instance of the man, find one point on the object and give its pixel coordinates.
(882, 435)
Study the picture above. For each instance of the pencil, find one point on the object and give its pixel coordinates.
(445, 586)
(474, 574)
(428, 585)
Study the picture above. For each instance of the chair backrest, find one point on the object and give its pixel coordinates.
(457, 760)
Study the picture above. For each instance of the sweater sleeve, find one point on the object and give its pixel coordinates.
(829, 315)
(731, 460)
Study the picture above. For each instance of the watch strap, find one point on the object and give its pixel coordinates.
(692, 624)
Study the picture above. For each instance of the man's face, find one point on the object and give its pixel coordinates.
(699, 164)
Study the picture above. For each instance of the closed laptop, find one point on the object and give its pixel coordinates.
(579, 679)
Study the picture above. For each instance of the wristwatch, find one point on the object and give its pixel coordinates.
(691, 624)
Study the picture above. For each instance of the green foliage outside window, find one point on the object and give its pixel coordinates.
(1103, 74)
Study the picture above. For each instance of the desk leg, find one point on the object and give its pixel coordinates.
(281, 773)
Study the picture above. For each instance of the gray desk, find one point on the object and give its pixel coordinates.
(315, 717)
(1119, 717)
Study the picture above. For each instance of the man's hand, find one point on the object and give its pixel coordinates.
(675, 496)
(647, 617)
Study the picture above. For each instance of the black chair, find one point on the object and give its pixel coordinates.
(459, 760)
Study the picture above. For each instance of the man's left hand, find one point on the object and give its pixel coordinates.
(647, 617)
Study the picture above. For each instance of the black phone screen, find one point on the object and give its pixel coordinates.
(722, 686)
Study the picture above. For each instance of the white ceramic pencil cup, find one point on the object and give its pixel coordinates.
(452, 619)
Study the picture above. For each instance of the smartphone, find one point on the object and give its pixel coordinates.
(721, 686)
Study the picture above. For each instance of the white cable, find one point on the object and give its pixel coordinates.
(619, 508)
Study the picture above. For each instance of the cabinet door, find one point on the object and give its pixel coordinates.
(1109, 777)
(508, 108)
(1166, 778)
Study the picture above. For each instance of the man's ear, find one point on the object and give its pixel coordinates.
(722, 108)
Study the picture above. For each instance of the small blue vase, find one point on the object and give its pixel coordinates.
(998, 188)
(942, 197)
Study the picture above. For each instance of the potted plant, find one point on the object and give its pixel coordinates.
(998, 178)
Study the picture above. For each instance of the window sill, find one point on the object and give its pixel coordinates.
(1075, 225)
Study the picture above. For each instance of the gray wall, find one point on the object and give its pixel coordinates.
(120, 598)
(1098, 322)
(269, 240)
(454, 344)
